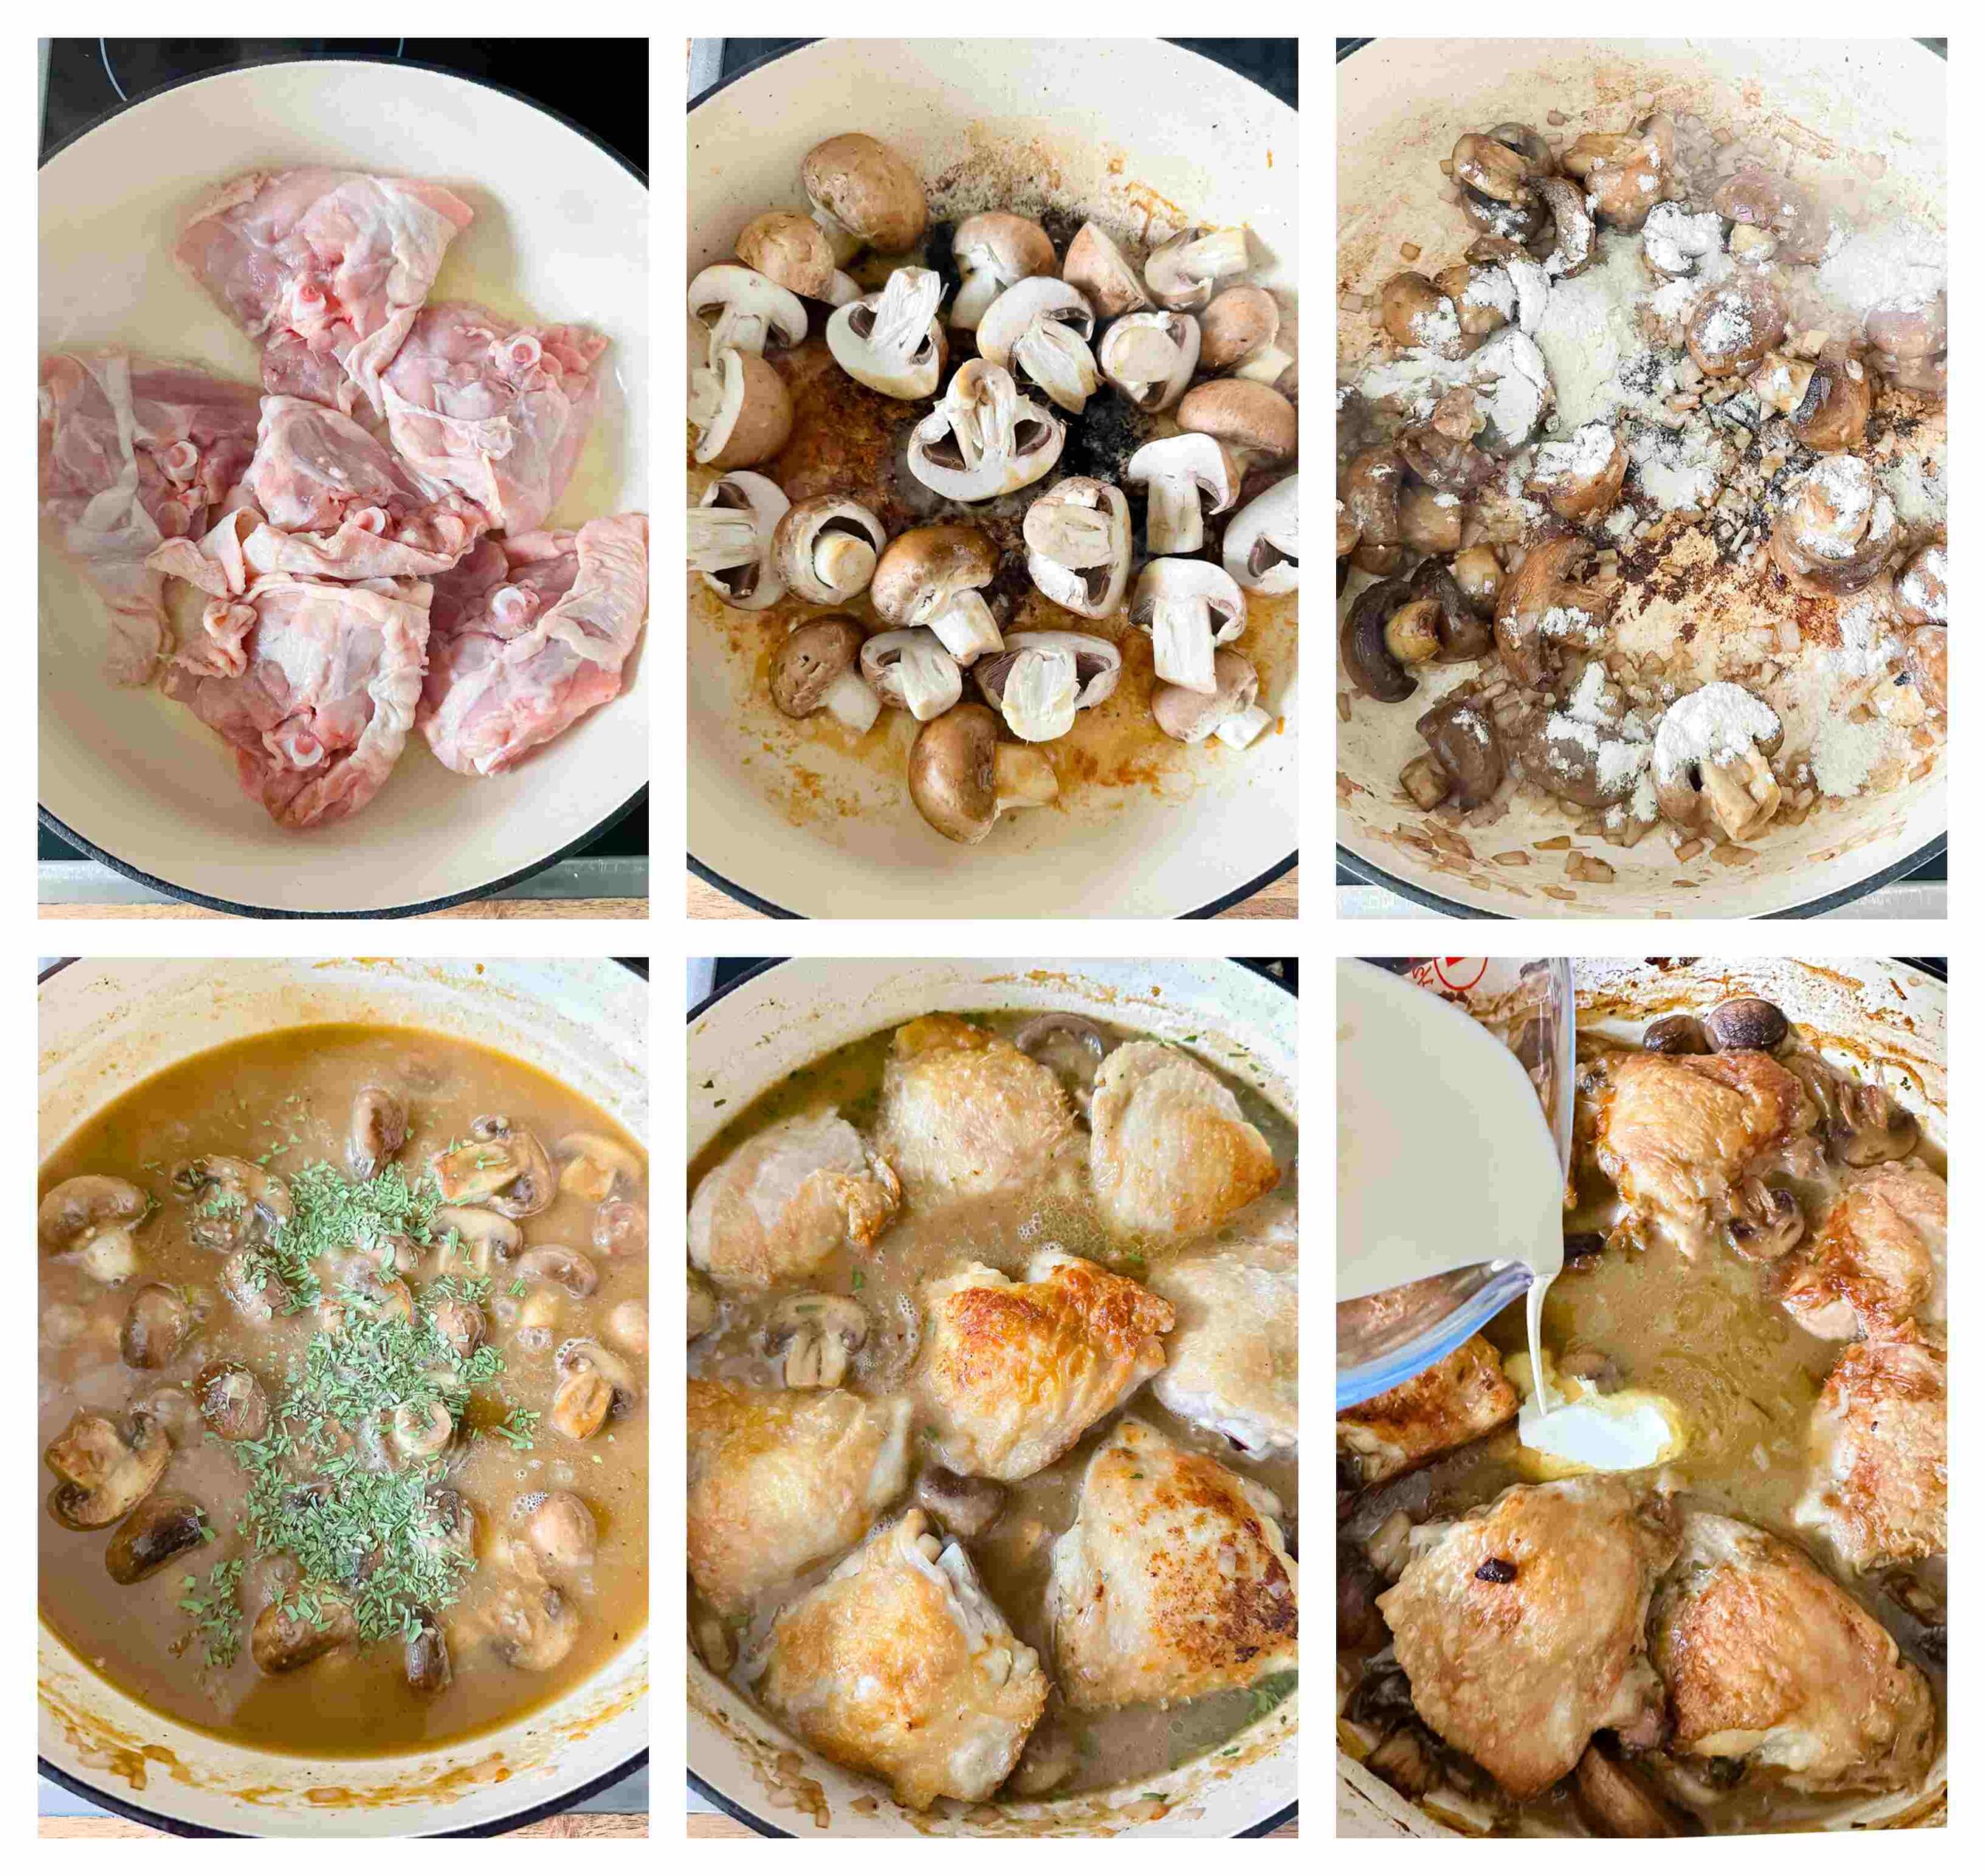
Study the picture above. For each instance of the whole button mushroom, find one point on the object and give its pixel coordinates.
(1745, 1022)
(792, 251)
(1185, 478)
(815, 669)
(1464, 761)
(1417, 313)
(1078, 536)
(1543, 599)
(1922, 589)
(1041, 679)
(931, 577)
(1150, 356)
(156, 1327)
(1043, 326)
(731, 531)
(1837, 529)
(1259, 549)
(1188, 608)
(891, 340)
(560, 1528)
(741, 411)
(995, 251)
(1255, 421)
(1230, 713)
(984, 440)
(864, 195)
(1096, 267)
(1734, 326)
(963, 777)
(825, 550)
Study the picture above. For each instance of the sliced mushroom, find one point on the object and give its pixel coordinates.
(378, 1131)
(592, 1384)
(1371, 498)
(965, 1507)
(1837, 529)
(1230, 713)
(554, 1263)
(533, 1625)
(1826, 400)
(1734, 326)
(1255, 421)
(285, 1637)
(911, 671)
(995, 251)
(166, 1524)
(1042, 327)
(1260, 548)
(791, 250)
(1709, 760)
(1367, 650)
(1417, 313)
(1542, 599)
(1745, 1022)
(1580, 477)
(502, 1167)
(156, 1327)
(1150, 356)
(559, 1526)
(422, 1432)
(104, 1467)
(825, 550)
(814, 1337)
(1179, 273)
(1071, 1045)
(1185, 478)
(469, 1240)
(864, 195)
(983, 439)
(1039, 680)
(1461, 737)
(931, 577)
(1922, 587)
(1188, 608)
(1237, 333)
(1464, 630)
(424, 1655)
(891, 341)
(817, 667)
(591, 1167)
(1096, 266)
(236, 1206)
(78, 1210)
(744, 311)
(1078, 536)
(1765, 1221)
(741, 409)
(731, 531)
(962, 777)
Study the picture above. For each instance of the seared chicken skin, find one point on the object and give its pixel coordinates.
(1458, 1399)
(1877, 1260)
(1522, 1626)
(1766, 1659)
(1879, 1491)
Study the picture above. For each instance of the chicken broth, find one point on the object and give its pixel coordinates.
(519, 1625)
(1707, 1333)
(1112, 1746)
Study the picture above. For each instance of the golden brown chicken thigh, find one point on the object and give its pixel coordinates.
(778, 1480)
(1879, 1491)
(900, 1664)
(1172, 1582)
(1766, 1658)
(1171, 1153)
(1013, 1373)
(774, 1211)
(966, 1114)
(1679, 1134)
(1522, 1626)
(1877, 1259)
(1233, 1355)
(1457, 1399)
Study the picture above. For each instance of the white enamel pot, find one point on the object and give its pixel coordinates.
(1401, 104)
(1881, 1020)
(1122, 127)
(105, 1026)
(560, 232)
(747, 1038)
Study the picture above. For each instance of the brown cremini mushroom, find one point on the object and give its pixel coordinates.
(962, 777)
(817, 668)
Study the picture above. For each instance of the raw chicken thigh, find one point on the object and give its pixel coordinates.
(314, 683)
(493, 409)
(522, 651)
(326, 268)
(133, 453)
(324, 499)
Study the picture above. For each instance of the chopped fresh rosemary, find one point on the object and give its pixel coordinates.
(217, 1612)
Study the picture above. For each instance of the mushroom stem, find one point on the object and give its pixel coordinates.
(721, 539)
(1265, 365)
(851, 701)
(1054, 356)
(844, 561)
(1022, 777)
(1038, 700)
(1243, 726)
(930, 679)
(1174, 522)
(1743, 793)
(1183, 644)
(1075, 537)
(964, 624)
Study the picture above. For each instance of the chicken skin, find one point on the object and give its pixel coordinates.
(1013, 1373)
(1522, 1626)
(1171, 1155)
(1233, 1362)
(1172, 1582)
(1679, 1135)
(779, 1206)
(1766, 1659)
(778, 1480)
(1877, 1259)
(966, 1114)
(900, 1664)
(1878, 1492)
(1460, 1398)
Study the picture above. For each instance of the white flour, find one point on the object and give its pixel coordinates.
(1900, 266)
(1845, 753)
(1716, 724)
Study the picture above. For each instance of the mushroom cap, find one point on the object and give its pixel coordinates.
(726, 284)
(883, 658)
(953, 776)
(1238, 320)
(1242, 415)
(1123, 337)
(1259, 549)
(799, 532)
(1174, 578)
(1010, 245)
(1196, 454)
(754, 415)
(896, 367)
(1097, 267)
(868, 189)
(791, 250)
(816, 655)
(944, 559)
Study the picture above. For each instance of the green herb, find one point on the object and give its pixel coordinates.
(516, 1286)
(519, 1427)
(1267, 1695)
(861, 1278)
(217, 1612)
